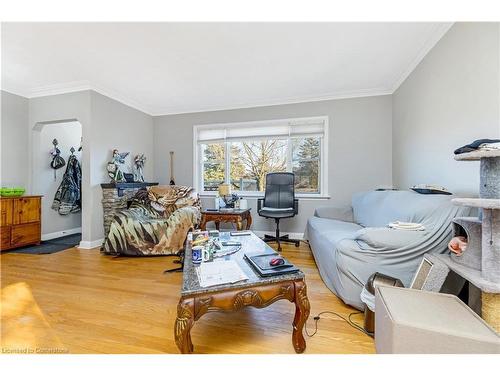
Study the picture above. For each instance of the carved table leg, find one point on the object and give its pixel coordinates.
(249, 221)
(183, 324)
(239, 223)
(302, 308)
(203, 223)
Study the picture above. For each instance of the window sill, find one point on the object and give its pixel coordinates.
(304, 197)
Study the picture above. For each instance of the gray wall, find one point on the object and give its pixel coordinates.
(450, 99)
(360, 147)
(106, 124)
(14, 141)
(115, 125)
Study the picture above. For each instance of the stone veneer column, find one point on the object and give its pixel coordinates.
(115, 197)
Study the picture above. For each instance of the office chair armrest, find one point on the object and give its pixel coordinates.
(296, 206)
(260, 203)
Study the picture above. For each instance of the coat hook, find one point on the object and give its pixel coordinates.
(72, 150)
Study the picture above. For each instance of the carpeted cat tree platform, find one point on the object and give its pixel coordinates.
(480, 262)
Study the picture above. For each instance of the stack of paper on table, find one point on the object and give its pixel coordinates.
(217, 273)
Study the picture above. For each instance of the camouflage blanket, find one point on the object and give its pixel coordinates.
(156, 223)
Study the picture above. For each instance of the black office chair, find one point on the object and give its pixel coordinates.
(279, 203)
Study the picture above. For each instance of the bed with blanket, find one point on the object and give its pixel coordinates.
(156, 222)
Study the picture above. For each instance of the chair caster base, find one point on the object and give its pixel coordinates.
(285, 238)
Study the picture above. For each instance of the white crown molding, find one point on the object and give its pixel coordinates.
(292, 100)
(76, 86)
(398, 79)
(122, 99)
(424, 50)
(59, 88)
(85, 85)
(14, 90)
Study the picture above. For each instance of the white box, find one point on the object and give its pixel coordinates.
(414, 321)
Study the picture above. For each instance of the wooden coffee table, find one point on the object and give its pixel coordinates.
(227, 216)
(257, 291)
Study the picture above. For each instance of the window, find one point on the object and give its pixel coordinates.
(214, 165)
(241, 154)
(306, 163)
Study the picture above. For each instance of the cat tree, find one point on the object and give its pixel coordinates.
(480, 262)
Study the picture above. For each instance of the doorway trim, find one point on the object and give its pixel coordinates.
(35, 133)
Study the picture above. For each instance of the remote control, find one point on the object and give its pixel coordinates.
(241, 233)
(231, 243)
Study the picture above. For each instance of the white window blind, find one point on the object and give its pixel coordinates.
(255, 130)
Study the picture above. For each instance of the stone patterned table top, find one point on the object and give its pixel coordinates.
(249, 244)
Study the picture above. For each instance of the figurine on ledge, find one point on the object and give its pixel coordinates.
(114, 166)
(139, 161)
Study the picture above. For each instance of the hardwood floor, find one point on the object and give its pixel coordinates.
(101, 304)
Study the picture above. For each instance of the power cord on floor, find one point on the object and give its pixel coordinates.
(348, 320)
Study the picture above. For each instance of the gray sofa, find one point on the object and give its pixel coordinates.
(350, 243)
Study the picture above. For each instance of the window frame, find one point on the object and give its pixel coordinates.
(323, 157)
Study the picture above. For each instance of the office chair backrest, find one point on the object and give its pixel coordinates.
(280, 190)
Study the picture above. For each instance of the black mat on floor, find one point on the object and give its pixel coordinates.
(51, 246)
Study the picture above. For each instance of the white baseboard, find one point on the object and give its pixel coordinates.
(292, 235)
(90, 244)
(62, 233)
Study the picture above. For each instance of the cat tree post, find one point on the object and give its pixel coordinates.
(490, 309)
(480, 263)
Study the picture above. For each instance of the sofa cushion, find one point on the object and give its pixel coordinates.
(324, 236)
(332, 231)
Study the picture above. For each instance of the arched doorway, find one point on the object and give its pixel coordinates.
(46, 181)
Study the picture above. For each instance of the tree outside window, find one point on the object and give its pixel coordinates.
(250, 162)
(305, 164)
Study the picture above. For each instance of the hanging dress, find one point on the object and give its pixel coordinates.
(68, 198)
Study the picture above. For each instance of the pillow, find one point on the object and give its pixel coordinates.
(430, 189)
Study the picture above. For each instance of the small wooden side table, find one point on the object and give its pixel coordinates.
(227, 216)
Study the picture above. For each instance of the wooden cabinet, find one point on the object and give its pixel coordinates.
(6, 209)
(20, 221)
(4, 238)
(26, 210)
